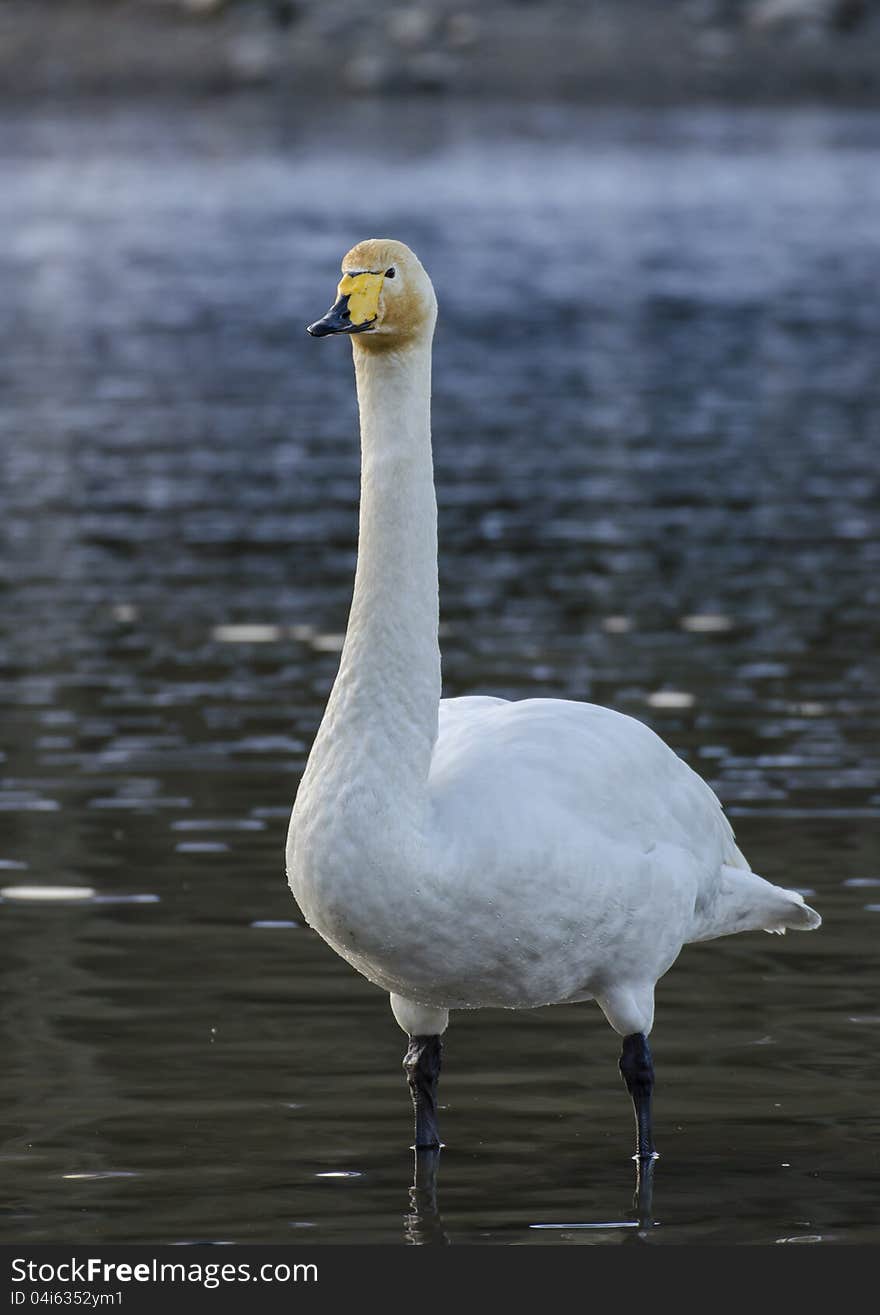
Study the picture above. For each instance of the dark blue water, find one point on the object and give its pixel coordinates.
(657, 411)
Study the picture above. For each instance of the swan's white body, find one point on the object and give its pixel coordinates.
(477, 852)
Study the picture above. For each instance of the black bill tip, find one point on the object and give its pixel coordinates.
(337, 320)
(320, 328)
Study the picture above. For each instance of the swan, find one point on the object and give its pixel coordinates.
(472, 852)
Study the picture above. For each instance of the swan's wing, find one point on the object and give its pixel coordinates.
(456, 714)
(577, 834)
(602, 811)
(539, 764)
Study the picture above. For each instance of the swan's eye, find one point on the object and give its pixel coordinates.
(389, 273)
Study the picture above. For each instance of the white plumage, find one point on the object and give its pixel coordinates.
(477, 852)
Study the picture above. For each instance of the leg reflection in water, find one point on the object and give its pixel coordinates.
(423, 1225)
(643, 1199)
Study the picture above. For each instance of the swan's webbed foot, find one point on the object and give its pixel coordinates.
(422, 1067)
(637, 1068)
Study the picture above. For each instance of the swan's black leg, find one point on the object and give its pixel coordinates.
(637, 1068)
(422, 1068)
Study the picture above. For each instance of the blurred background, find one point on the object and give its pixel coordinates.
(654, 232)
(622, 50)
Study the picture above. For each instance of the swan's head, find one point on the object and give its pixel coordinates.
(384, 296)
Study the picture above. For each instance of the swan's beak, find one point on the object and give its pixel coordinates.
(356, 309)
(337, 320)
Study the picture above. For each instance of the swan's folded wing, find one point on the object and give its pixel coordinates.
(535, 770)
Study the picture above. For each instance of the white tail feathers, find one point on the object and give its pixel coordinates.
(743, 901)
(794, 913)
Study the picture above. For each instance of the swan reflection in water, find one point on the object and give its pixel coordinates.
(423, 1225)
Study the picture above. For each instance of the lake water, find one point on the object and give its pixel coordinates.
(657, 412)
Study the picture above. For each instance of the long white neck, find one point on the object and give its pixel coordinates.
(381, 721)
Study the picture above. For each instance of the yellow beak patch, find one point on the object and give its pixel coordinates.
(362, 291)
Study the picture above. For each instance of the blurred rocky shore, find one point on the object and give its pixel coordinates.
(623, 51)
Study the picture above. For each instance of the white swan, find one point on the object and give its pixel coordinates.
(477, 852)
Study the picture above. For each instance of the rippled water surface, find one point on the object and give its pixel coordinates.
(657, 410)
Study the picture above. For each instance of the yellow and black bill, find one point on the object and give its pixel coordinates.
(356, 309)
